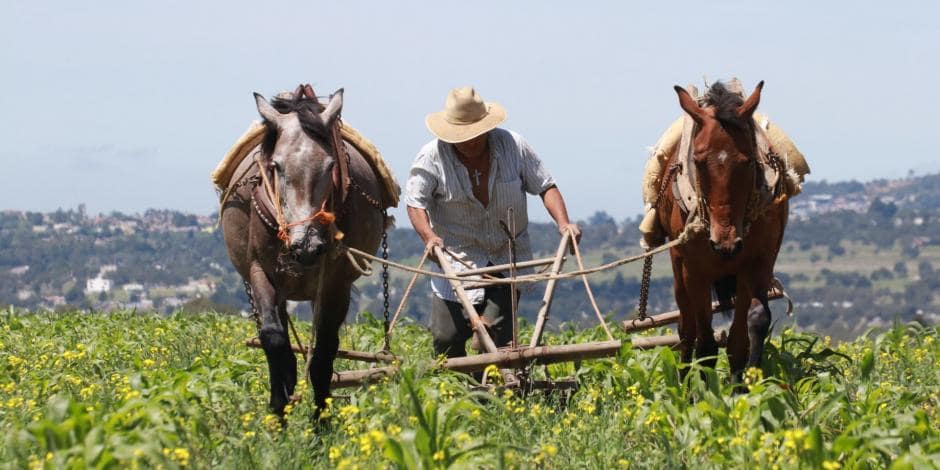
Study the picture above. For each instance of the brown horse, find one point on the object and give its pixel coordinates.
(736, 258)
(280, 245)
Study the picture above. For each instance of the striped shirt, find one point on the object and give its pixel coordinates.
(440, 184)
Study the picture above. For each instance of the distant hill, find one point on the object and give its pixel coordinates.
(856, 255)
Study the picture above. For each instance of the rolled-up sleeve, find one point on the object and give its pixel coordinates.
(535, 177)
(422, 181)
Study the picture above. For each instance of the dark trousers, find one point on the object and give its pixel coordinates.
(450, 325)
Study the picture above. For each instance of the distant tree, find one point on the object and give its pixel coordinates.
(882, 210)
(910, 250)
(74, 295)
(900, 268)
(925, 270)
(34, 218)
(835, 249)
(881, 274)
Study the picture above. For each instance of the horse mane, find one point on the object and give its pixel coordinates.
(726, 104)
(308, 112)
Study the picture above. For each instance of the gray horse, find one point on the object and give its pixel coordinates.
(281, 252)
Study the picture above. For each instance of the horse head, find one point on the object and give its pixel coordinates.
(299, 159)
(724, 155)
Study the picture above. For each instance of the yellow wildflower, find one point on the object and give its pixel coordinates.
(14, 361)
(335, 453)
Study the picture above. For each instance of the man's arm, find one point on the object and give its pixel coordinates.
(555, 204)
(422, 225)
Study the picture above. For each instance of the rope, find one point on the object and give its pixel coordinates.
(364, 269)
(691, 229)
(587, 288)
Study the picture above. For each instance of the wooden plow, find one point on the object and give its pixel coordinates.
(513, 362)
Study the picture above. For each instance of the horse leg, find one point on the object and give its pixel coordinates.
(290, 368)
(686, 314)
(706, 348)
(328, 322)
(758, 325)
(738, 336)
(282, 365)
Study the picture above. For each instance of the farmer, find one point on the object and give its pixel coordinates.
(460, 187)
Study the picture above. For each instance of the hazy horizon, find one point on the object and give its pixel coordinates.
(129, 106)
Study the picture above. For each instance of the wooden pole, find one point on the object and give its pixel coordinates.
(520, 358)
(341, 354)
(667, 318)
(558, 262)
(476, 323)
(523, 357)
(650, 342)
(353, 378)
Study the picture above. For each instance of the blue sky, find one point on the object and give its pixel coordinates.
(129, 105)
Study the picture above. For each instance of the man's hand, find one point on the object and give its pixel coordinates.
(433, 241)
(575, 233)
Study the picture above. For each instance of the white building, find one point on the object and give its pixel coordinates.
(97, 285)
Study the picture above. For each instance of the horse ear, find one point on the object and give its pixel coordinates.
(689, 105)
(308, 92)
(266, 110)
(333, 108)
(750, 104)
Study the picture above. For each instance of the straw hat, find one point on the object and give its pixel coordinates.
(464, 117)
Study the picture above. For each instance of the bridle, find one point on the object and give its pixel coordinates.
(701, 211)
(339, 181)
(321, 216)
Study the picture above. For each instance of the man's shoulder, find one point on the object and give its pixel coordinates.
(429, 152)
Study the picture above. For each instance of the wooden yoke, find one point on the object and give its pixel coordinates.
(479, 328)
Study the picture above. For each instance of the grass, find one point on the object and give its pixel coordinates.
(138, 391)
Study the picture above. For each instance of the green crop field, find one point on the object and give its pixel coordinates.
(140, 391)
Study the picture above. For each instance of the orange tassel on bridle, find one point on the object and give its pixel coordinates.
(322, 217)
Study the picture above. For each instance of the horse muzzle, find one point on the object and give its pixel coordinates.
(727, 250)
(307, 248)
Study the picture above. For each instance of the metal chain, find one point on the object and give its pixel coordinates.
(387, 323)
(645, 287)
(254, 308)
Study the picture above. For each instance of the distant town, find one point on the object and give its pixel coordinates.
(166, 261)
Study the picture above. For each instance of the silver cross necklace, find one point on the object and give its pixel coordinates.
(476, 176)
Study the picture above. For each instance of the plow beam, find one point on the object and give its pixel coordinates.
(669, 318)
(520, 358)
(340, 354)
